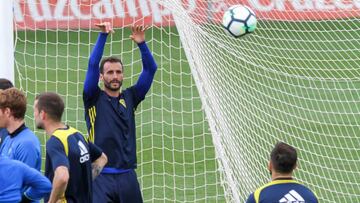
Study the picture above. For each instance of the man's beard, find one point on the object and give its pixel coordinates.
(108, 85)
(40, 126)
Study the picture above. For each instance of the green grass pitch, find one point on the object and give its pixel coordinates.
(175, 152)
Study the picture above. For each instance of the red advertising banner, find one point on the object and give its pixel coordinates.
(305, 9)
(49, 14)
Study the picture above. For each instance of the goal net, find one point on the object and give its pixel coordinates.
(218, 104)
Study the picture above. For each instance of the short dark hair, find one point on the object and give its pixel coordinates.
(52, 104)
(283, 158)
(15, 100)
(111, 59)
(5, 84)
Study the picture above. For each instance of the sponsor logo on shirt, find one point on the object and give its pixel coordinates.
(292, 197)
(84, 153)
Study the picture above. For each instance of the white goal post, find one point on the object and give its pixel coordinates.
(7, 41)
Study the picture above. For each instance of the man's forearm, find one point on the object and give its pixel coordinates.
(37, 185)
(98, 50)
(98, 165)
(58, 191)
(96, 170)
(149, 68)
(40, 187)
(92, 74)
(148, 60)
(60, 182)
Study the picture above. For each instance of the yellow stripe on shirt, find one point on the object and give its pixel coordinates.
(275, 182)
(62, 135)
(92, 115)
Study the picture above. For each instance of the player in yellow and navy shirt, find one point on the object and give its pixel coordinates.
(283, 188)
(110, 117)
(71, 161)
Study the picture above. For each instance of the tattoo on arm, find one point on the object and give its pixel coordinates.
(96, 169)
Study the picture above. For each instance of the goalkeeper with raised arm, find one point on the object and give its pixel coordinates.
(109, 115)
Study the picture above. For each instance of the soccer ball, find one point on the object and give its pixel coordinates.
(239, 20)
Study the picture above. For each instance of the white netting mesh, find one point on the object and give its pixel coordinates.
(295, 79)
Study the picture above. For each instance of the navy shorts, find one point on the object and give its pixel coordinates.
(119, 188)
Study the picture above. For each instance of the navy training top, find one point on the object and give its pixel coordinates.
(110, 120)
(68, 147)
(282, 191)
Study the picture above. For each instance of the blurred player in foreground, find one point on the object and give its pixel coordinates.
(14, 176)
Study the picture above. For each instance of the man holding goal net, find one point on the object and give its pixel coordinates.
(109, 115)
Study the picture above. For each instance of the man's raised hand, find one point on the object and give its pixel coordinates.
(138, 33)
(105, 27)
